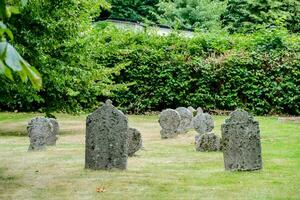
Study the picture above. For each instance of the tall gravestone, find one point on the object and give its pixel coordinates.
(39, 130)
(169, 121)
(106, 138)
(185, 119)
(135, 142)
(241, 142)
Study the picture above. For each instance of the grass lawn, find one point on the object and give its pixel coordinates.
(165, 169)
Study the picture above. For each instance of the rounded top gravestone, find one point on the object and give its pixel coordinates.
(199, 110)
(39, 129)
(203, 123)
(192, 110)
(134, 141)
(185, 119)
(169, 119)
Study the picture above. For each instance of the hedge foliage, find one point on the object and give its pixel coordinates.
(258, 72)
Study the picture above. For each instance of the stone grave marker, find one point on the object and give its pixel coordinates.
(169, 121)
(203, 123)
(38, 130)
(106, 138)
(241, 142)
(51, 138)
(185, 119)
(134, 141)
(192, 110)
(208, 142)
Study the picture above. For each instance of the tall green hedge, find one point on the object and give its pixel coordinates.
(259, 72)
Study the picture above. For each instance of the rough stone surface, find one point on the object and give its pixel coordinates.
(199, 110)
(185, 119)
(169, 121)
(106, 138)
(52, 137)
(192, 110)
(203, 123)
(208, 142)
(38, 130)
(241, 142)
(134, 141)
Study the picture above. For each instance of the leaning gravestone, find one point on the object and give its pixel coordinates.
(208, 142)
(134, 141)
(169, 121)
(241, 142)
(203, 123)
(38, 130)
(52, 137)
(185, 119)
(106, 138)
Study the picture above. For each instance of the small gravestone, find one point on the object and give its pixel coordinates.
(134, 141)
(199, 110)
(192, 110)
(38, 130)
(185, 119)
(241, 142)
(106, 138)
(169, 121)
(52, 137)
(203, 123)
(208, 142)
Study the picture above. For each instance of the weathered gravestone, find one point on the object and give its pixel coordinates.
(185, 119)
(203, 123)
(169, 121)
(199, 110)
(134, 141)
(208, 142)
(192, 110)
(39, 130)
(106, 138)
(51, 138)
(241, 142)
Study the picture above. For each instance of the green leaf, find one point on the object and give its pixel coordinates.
(12, 58)
(5, 70)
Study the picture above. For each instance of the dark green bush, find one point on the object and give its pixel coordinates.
(258, 72)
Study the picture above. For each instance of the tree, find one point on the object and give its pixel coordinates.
(203, 14)
(10, 59)
(136, 10)
(248, 15)
(59, 38)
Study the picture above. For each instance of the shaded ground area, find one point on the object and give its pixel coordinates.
(166, 169)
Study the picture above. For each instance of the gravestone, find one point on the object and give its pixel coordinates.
(106, 138)
(203, 123)
(208, 142)
(169, 121)
(241, 142)
(52, 137)
(134, 141)
(192, 110)
(199, 110)
(185, 119)
(38, 130)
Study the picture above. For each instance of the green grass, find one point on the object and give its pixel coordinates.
(166, 169)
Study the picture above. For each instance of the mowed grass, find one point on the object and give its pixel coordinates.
(165, 169)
